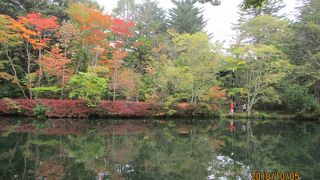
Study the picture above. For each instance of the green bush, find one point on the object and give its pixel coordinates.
(203, 109)
(297, 99)
(87, 86)
(40, 111)
(168, 105)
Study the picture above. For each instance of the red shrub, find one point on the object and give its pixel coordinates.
(65, 108)
(26, 106)
(81, 109)
(125, 109)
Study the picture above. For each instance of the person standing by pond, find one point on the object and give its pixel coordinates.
(231, 108)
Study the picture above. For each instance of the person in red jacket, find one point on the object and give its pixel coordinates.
(231, 108)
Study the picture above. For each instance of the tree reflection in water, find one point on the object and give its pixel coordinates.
(155, 149)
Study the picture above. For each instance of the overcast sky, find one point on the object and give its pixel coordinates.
(220, 18)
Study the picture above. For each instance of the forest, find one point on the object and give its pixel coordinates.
(143, 57)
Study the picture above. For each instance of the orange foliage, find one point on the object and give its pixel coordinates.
(36, 29)
(8, 28)
(214, 94)
(54, 63)
(93, 24)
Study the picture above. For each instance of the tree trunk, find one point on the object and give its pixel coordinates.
(15, 73)
(29, 68)
(62, 83)
(115, 83)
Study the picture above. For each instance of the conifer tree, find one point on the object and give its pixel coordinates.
(185, 17)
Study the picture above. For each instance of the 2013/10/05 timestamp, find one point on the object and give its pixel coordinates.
(275, 176)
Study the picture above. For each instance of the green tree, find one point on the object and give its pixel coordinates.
(185, 17)
(150, 18)
(268, 7)
(87, 86)
(192, 70)
(265, 29)
(264, 67)
(303, 48)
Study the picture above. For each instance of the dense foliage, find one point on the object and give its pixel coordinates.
(71, 49)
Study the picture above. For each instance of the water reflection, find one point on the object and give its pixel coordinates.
(156, 149)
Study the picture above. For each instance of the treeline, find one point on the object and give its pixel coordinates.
(63, 49)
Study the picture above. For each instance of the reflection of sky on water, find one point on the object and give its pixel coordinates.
(223, 167)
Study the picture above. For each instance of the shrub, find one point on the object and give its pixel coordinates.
(12, 105)
(126, 109)
(40, 111)
(200, 109)
(169, 105)
(66, 108)
(45, 91)
(87, 86)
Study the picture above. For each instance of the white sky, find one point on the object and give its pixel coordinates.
(220, 18)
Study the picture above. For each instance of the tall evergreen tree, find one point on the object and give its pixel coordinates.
(268, 7)
(185, 17)
(150, 18)
(125, 9)
(304, 48)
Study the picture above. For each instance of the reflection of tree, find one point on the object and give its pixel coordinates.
(186, 150)
(9, 157)
(88, 149)
(277, 147)
(172, 157)
(122, 150)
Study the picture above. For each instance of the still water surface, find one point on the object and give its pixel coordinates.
(156, 149)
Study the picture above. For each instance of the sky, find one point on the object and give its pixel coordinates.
(220, 18)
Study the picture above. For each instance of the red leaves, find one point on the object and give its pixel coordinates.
(79, 108)
(54, 64)
(39, 23)
(125, 109)
(66, 108)
(36, 29)
(122, 28)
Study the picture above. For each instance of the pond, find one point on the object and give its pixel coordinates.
(157, 149)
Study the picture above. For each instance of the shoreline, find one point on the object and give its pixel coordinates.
(54, 108)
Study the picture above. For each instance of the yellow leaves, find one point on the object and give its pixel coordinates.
(8, 34)
(101, 71)
(8, 77)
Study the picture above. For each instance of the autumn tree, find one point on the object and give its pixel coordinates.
(129, 83)
(55, 64)
(8, 40)
(94, 26)
(37, 32)
(121, 31)
(69, 37)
